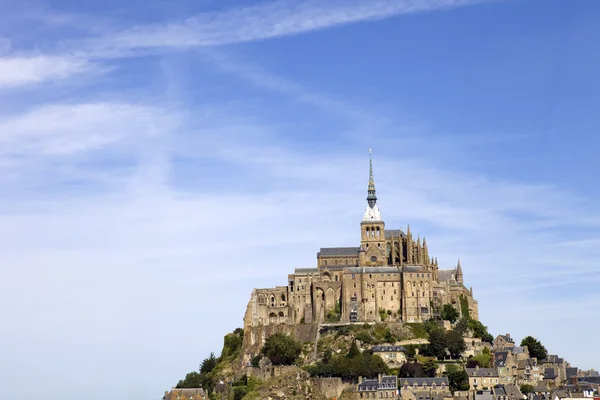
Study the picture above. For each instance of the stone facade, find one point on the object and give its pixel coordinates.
(389, 276)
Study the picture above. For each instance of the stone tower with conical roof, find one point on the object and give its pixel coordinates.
(372, 227)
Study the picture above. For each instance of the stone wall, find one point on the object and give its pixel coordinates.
(330, 387)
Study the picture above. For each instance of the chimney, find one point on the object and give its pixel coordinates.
(379, 378)
(508, 335)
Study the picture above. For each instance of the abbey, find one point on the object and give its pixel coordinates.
(390, 276)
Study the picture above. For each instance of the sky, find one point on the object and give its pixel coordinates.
(160, 159)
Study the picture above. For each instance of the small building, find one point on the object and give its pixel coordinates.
(430, 385)
(503, 342)
(394, 356)
(483, 378)
(384, 387)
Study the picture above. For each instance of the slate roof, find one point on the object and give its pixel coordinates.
(507, 338)
(445, 275)
(381, 349)
(518, 349)
(549, 373)
(306, 270)
(590, 379)
(513, 392)
(571, 372)
(426, 381)
(482, 372)
(500, 358)
(394, 232)
(387, 383)
(414, 268)
(372, 270)
(426, 395)
(337, 251)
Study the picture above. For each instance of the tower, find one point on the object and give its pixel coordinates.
(372, 227)
(459, 273)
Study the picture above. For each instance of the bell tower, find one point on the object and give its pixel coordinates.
(372, 227)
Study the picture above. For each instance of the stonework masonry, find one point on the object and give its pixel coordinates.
(389, 276)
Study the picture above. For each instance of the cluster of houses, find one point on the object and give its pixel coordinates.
(512, 368)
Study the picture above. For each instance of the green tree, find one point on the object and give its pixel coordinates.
(536, 348)
(462, 326)
(411, 370)
(255, 362)
(437, 344)
(480, 331)
(208, 364)
(192, 380)
(429, 365)
(457, 378)
(455, 343)
(449, 313)
(354, 351)
(282, 349)
(526, 389)
(239, 392)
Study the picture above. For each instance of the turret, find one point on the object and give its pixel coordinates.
(459, 273)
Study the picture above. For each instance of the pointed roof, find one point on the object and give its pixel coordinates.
(371, 189)
(372, 213)
(458, 269)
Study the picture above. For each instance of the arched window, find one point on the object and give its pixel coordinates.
(283, 297)
(272, 300)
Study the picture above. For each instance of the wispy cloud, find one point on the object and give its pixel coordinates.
(34, 69)
(268, 20)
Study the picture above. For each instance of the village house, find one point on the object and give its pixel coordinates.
(384, 387)
(506, 365)
(503, 342)
(482, 378)
(529, 372)
(393, 356)
(418, 386)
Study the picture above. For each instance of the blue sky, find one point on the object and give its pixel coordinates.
(155, 154)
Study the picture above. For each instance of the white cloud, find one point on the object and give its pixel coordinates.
(263, 21)
(72, 128)
(28, 70)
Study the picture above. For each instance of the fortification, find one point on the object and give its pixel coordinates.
(389, 276)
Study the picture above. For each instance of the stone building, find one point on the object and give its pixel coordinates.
(384, 387)
(393, 356)
(390, 275)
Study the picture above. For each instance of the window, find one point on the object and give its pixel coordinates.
(353, 276)
(373, 259)
(283, 297)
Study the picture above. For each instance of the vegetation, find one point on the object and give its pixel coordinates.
(457, 378)
(411, 370)
(350, 366)
(536, 348)
(429, 365)
(449, 313)
(526, 389)
(480, 331)
(282, 349)
(462, 326)
(455, 343)
(335, 314)
(437, 344)
(464, 307)
(483, 360)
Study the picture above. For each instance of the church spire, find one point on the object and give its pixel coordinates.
(372, 197)
(459, 273)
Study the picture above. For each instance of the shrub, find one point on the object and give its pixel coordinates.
(282, 349)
